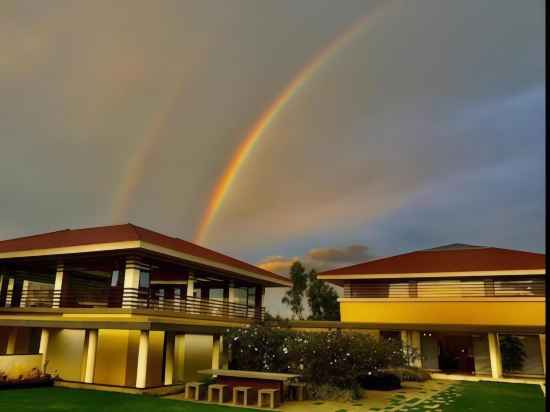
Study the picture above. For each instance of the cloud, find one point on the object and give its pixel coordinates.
(319, 259)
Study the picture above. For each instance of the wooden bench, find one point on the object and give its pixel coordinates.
(273, 397)
(245, 391)
(222, 392)
(296, 391)
(193, 390)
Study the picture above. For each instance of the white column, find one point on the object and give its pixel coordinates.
(84, 357)
(415, 341)
(9, 291)
(190, 293)
(12, 338)
(143, 353)
(58, 285)
(90, 356)
(169, 358)
(24, 292)
(542, 340)
(44, 340)
(131, 283)
(216, 351)
(494, 355)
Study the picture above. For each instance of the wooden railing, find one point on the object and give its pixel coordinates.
(132, 299)
(447, 289)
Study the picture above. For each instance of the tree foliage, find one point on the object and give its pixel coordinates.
(513, 353)
(322, 299)
(294, 297)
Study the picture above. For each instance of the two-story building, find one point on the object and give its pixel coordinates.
(120, 305)
(466, 309)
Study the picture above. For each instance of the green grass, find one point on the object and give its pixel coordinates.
(490, 397)
(66, 400)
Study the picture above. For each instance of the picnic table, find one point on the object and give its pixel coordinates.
(253, 379)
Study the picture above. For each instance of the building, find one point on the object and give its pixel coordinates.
(465, 309)
(122, 305)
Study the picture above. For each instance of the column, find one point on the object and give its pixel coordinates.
(44, 340)
(9, 291)
(416, 345)
(1, 286)
(216, 351)
(58, 285)
(131, 283)
(494, 355)
(169, 358)
(260, 290)
(84, 356)
(143, 353)
(24, 294)
(90, 356)
(189, 304)
(542, 340)
(12, 338)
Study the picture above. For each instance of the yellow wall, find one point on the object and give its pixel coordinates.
(508, 313)
(19, 365)
(154, 361)
(193, 354)
(65, 353)
(112, 350)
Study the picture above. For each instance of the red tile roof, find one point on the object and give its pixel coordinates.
(123, 233)
(450, 258)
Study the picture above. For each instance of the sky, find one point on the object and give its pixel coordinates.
(338, 131)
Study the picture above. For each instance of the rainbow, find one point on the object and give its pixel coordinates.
(266, 119)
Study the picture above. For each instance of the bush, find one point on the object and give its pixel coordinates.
(410, 374)
(322, 358)
(382, 381)
(333, 393)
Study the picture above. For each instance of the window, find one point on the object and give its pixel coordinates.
(115, 278)
(144, 279)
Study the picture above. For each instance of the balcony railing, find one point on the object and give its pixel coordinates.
(142, 298)
(448, 289)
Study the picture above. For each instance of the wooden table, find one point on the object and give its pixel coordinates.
(254, 379)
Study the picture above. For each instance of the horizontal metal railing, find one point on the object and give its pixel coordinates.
(141, 298)
(447, 289)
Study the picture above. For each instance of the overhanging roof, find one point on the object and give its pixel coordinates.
(454, 260)
(125, 237)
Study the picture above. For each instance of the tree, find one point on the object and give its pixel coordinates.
(322, 299)
(513, 353)
(295, 295)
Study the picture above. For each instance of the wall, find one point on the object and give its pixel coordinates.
(194, 355)
(510, 313)
(65, 349)
(19, 365)
(111, 355)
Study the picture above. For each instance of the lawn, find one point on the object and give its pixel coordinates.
(65, 400)
(486, 397)
(457, 397)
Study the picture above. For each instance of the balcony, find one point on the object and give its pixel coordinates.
(139, 298)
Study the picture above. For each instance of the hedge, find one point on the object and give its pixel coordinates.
(333, 358)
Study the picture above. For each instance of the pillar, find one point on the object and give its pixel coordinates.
(24, 294)
(190, 304)
(91, 355)
(216, 351)
(12, 338)
(131, 283)
(84, 356)
(44, 340)
(169, 358)
(494, 355)
(58, 286)
(143, 353)
(415, 342)
(1, 287)
(542, 340)
(9, 291)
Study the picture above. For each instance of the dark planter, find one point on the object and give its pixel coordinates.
(27, 383)
(381, 381)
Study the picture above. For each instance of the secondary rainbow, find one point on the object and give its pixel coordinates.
(267, 117)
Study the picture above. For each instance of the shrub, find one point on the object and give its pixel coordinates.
(333, 393)
(382, 381)
(322, 358)
(410, 374)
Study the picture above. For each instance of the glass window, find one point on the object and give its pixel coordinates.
(251, 300)
(114, 278)
(144, 279)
